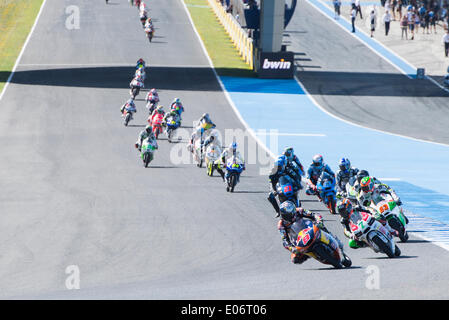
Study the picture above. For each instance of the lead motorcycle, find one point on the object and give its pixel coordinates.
(320, 245)
(367, 229)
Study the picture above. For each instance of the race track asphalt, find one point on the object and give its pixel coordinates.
(75, 193)
(353, 83)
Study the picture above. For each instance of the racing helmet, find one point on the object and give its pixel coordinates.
(344, 208)
(344, 164)
(287, 210)
(317, 160)
(149, 129)
(233, 147)
(362, 174)
(153, 91)
(160, 109)
(281, 161)
(288, 153)
(367, 184)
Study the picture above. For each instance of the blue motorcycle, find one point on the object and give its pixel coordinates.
(328, 193)
(172, 124)
(234, 169)
(286, 190)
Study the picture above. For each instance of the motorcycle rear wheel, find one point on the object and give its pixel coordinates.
(397, 225)
(127, 119)
(324, 254)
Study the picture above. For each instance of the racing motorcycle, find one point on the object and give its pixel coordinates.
(327, 191)
(367, 229)
(149, 30)
(213, 152)
(285, 190)
(318, 244)
(234, 168)
(171, 125)
(393, 213)
(127, 114)
(147, 151)
(134, 91)
(157, 124)
(151, 105)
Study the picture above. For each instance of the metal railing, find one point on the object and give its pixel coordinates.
(239, 37)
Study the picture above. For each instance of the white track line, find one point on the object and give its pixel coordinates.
(23, 50)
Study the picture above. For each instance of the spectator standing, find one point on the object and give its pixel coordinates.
(445, 40)
(433, 19)
(404, 27)
(337, 6)
(358, 8)
(393, 9)
(387, 19)
(427, 21)
(372, 19)
(353, 16)
(417, 22)
(411, 22)
(399, 9)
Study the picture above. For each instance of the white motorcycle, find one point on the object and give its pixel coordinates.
(373, 233)
(393, 214)
(213, 152)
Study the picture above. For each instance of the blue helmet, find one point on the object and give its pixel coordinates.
(281, 161)
(289, 153)
(344, 164)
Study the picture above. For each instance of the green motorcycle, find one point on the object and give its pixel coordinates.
(147, 152)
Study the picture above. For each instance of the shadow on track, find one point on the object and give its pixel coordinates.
(119, 77)
(338, 83)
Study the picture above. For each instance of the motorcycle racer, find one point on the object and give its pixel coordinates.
(290, 214)
(294, 166)
(371, 190)
(227, 153)
(314, 173)
(279, 169)
(177, 105)
(346, 209)
(129, 105)
(172, 113)
(205, 122)
(144, 134)
(158, 112)
(345, 174)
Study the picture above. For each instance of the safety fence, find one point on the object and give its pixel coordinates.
(239, 37)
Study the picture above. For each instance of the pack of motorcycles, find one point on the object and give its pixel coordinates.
(310, 239)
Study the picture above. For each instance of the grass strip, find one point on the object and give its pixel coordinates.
(16, 20)
(225, 56)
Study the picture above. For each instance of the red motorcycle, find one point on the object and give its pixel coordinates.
(157, 124)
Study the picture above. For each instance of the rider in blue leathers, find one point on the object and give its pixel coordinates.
(315, 171)
(294, 166)
(281, 167)
(344, 174)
